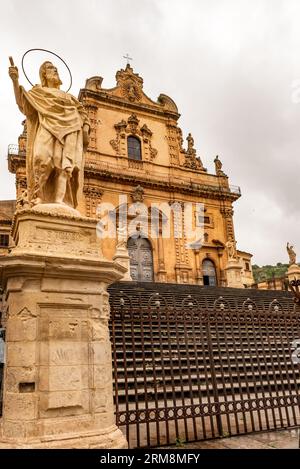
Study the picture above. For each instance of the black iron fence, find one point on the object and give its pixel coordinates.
(186, 372)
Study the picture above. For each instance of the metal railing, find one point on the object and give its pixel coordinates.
(186, 372)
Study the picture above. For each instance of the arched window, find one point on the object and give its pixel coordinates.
(209, 273)
(134, 148)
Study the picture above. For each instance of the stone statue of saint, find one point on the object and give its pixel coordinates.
(190, 141)
(218, 166)
(291, 253)
(57, 135)
(231, 250)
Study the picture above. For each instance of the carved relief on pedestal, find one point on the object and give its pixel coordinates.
(93, 196)
(132, 127)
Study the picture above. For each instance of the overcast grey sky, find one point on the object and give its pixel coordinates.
(230, 65)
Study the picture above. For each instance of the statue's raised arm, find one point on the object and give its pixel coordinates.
(57, 135)
(14, 75)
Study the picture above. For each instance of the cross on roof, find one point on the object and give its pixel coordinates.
(127, 58)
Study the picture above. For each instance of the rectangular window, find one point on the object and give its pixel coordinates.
(206, 220)
(247, 266)
(4, 240)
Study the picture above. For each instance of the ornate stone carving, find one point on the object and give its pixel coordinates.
(191, 159)
(93, 195)
(227, 213)
(138, 194)
(131, 84)
(133, 127)
(24, 314)
(174, 139)
(22, 201)
(92, 115)
(133, 123)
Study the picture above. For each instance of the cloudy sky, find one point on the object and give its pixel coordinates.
(232, 67)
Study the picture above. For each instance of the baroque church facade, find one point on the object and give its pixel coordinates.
(137, 155)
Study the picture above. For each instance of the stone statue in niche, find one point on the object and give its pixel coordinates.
(57, 136)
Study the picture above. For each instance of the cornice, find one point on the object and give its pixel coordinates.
(200, 190)
(116, 101)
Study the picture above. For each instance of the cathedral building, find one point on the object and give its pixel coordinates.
(137, 157)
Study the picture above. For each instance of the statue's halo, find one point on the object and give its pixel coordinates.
(49, 52)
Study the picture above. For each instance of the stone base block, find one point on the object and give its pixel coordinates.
(234, 275)
(111, 438)
(58, 390)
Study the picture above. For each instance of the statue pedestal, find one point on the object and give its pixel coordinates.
(234, 274)
(293, 272)
(58, 373)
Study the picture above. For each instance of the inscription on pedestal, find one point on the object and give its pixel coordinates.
(64, 358)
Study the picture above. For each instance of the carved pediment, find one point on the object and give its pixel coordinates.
(130, 84)
(129, 87)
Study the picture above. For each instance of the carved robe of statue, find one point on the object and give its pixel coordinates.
(54, 141)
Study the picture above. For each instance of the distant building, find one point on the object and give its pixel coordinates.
(247, 274)
(7, 209)
(274, 283)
